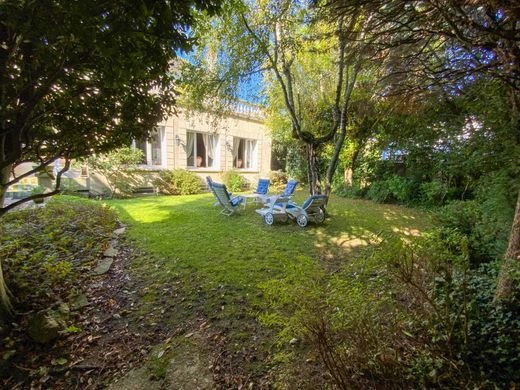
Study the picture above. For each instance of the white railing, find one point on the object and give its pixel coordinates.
(248, 109)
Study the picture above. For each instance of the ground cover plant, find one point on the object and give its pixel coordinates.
(47, 254)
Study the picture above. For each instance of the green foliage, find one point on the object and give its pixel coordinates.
(37, 190)
(486, 223)
(348, 319)
(433, 192)
(233, 180)
(296, 163)
(394, 188)
(69, 187)
(353, 191)
(379, 191)
(45, 251)
(178, 182)
(104, 71)
(411, 314)
(278, 179)
(118, 167)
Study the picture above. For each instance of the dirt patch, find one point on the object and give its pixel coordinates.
(107, 343)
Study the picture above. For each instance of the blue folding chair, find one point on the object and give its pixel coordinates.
(229, 204)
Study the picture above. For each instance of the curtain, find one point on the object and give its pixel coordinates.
(249, 154)
(210, 143)
(190, 141)
(236, 145)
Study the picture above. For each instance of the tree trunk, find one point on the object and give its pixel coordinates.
(314, 173)
(334, 161)
(5, 174)
(5, 303)
(506, 284)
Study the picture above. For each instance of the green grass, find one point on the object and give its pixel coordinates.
(215, 263)
(189, 234)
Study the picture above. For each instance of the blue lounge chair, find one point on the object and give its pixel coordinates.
(229, 205)
(284, 209)
(289, 188)
(260, 195)
(262, 187)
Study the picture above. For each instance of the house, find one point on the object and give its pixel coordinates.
(198, 142)
(203, 144)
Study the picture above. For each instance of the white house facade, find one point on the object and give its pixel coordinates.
(209, 146)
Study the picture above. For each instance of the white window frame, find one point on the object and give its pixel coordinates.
(148, 154)
(216, 152)
(254, 154)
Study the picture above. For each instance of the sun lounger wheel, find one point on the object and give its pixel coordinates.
(269, 218)
(302, 220)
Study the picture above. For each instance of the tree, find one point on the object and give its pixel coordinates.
(117, 167)
(279, 37)
(450, 44)
(83, 77)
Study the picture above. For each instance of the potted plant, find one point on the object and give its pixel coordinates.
(35, 191)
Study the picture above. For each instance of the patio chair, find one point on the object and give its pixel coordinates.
(283, 209)
(210, 181)
(229, 205)
(289, 188)
(260, 195)
(287, 193)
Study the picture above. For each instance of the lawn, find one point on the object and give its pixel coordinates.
(189, 235)
(216, 263)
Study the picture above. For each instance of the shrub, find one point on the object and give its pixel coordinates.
(233, 180)
(278, 179)
(118, 167)
(178, 182)
(433, 192)
(487, 231)
(379, 191)
(346, 319)
(69, 187)
(296, 164)
(410, 315)
(401, 188)
(395, 188)
(352, 191)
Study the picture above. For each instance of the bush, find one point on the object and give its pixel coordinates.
(395, 188)
(352, 191)
(410, 315)
(178, 182)
(278, 179)
(296, 166)
(233, 180)
(118, 167)
(433, 192)
(379, 191)
(487, 229)
(347, 319)
(401, 188)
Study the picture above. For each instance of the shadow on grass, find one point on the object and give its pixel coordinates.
(190, 233)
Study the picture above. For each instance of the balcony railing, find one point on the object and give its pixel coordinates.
(248, 109)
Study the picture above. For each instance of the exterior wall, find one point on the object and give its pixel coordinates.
(246, 124)
(236, 126)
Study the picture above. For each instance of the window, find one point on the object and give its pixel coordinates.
(244, 153)
(201, 150)
(152, 147)
(84, 171)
